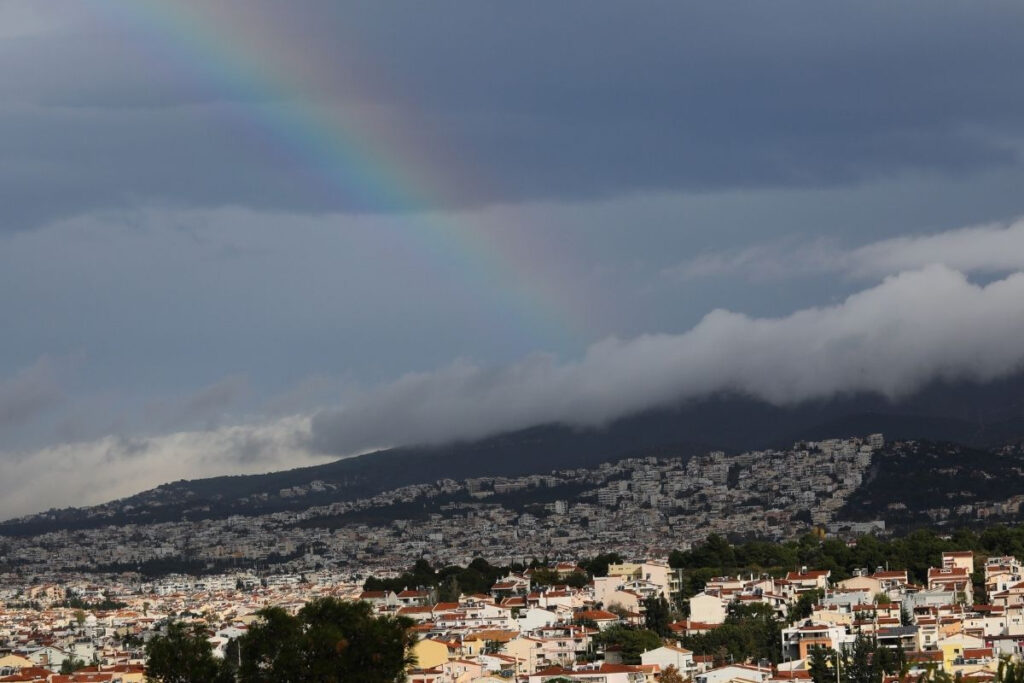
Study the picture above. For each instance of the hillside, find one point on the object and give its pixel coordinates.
(978, 416)
(925, 484)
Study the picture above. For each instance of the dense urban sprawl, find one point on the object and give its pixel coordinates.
(640, 506)
(615, 585)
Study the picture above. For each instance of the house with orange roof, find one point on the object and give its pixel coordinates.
(462, 669)
(381, 600)
(691, 628)
(791, 676)
(418, 614)
(959, 559)
(419, 597)
(1013, 595)
(527, 651)
(670, 655)
(431, 675)
(735, 673)
(497, 661)
(799, 640)
(601, 618)
(602, 673)
(513, 584)
(1001, 573)
(30, 673)
(953, 579)
(478, 642)
(809, 579)
(882, 581)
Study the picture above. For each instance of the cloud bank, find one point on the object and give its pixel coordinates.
(893, 338)
(910, 329)
(79, 474)
(988, 249)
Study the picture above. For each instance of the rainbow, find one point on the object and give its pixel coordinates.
(366, 158)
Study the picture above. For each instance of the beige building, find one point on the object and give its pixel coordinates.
(708, 609)
(959, 559)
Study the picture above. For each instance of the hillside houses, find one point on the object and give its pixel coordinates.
(935, 623)
(521, 630)
(643, 507)
(544, 620)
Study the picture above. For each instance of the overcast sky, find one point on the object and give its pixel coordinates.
(249, 235)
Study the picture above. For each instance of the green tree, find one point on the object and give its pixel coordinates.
(618, 610)
(864, 662)
(749, 632)
(805, 604)
(657, 616)
(819, 664)
(183, 655)
(71, 665)
(598, 566)
(1009, 672)
(545, 577)
(330, 641)
(632, 642)
(576, 580)
(270, 650)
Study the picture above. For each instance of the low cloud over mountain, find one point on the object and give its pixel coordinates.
(891, 339)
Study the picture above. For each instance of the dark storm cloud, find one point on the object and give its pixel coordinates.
(506, 102)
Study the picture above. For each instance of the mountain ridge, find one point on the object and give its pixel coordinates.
(976, 415)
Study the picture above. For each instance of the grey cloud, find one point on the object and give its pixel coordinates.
(995, 248)
(891, 339)
(112, 467)
(29, 394)
(204, 408)
(985, 249)
(304, 396)
(511, 102)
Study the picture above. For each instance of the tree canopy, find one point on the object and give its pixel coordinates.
(328, 641)
(749, 632)
(632, 642)
(183, 655)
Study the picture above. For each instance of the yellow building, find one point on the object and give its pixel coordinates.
(429, 653)
(955, 649)
(526, 651)
(14, 662)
